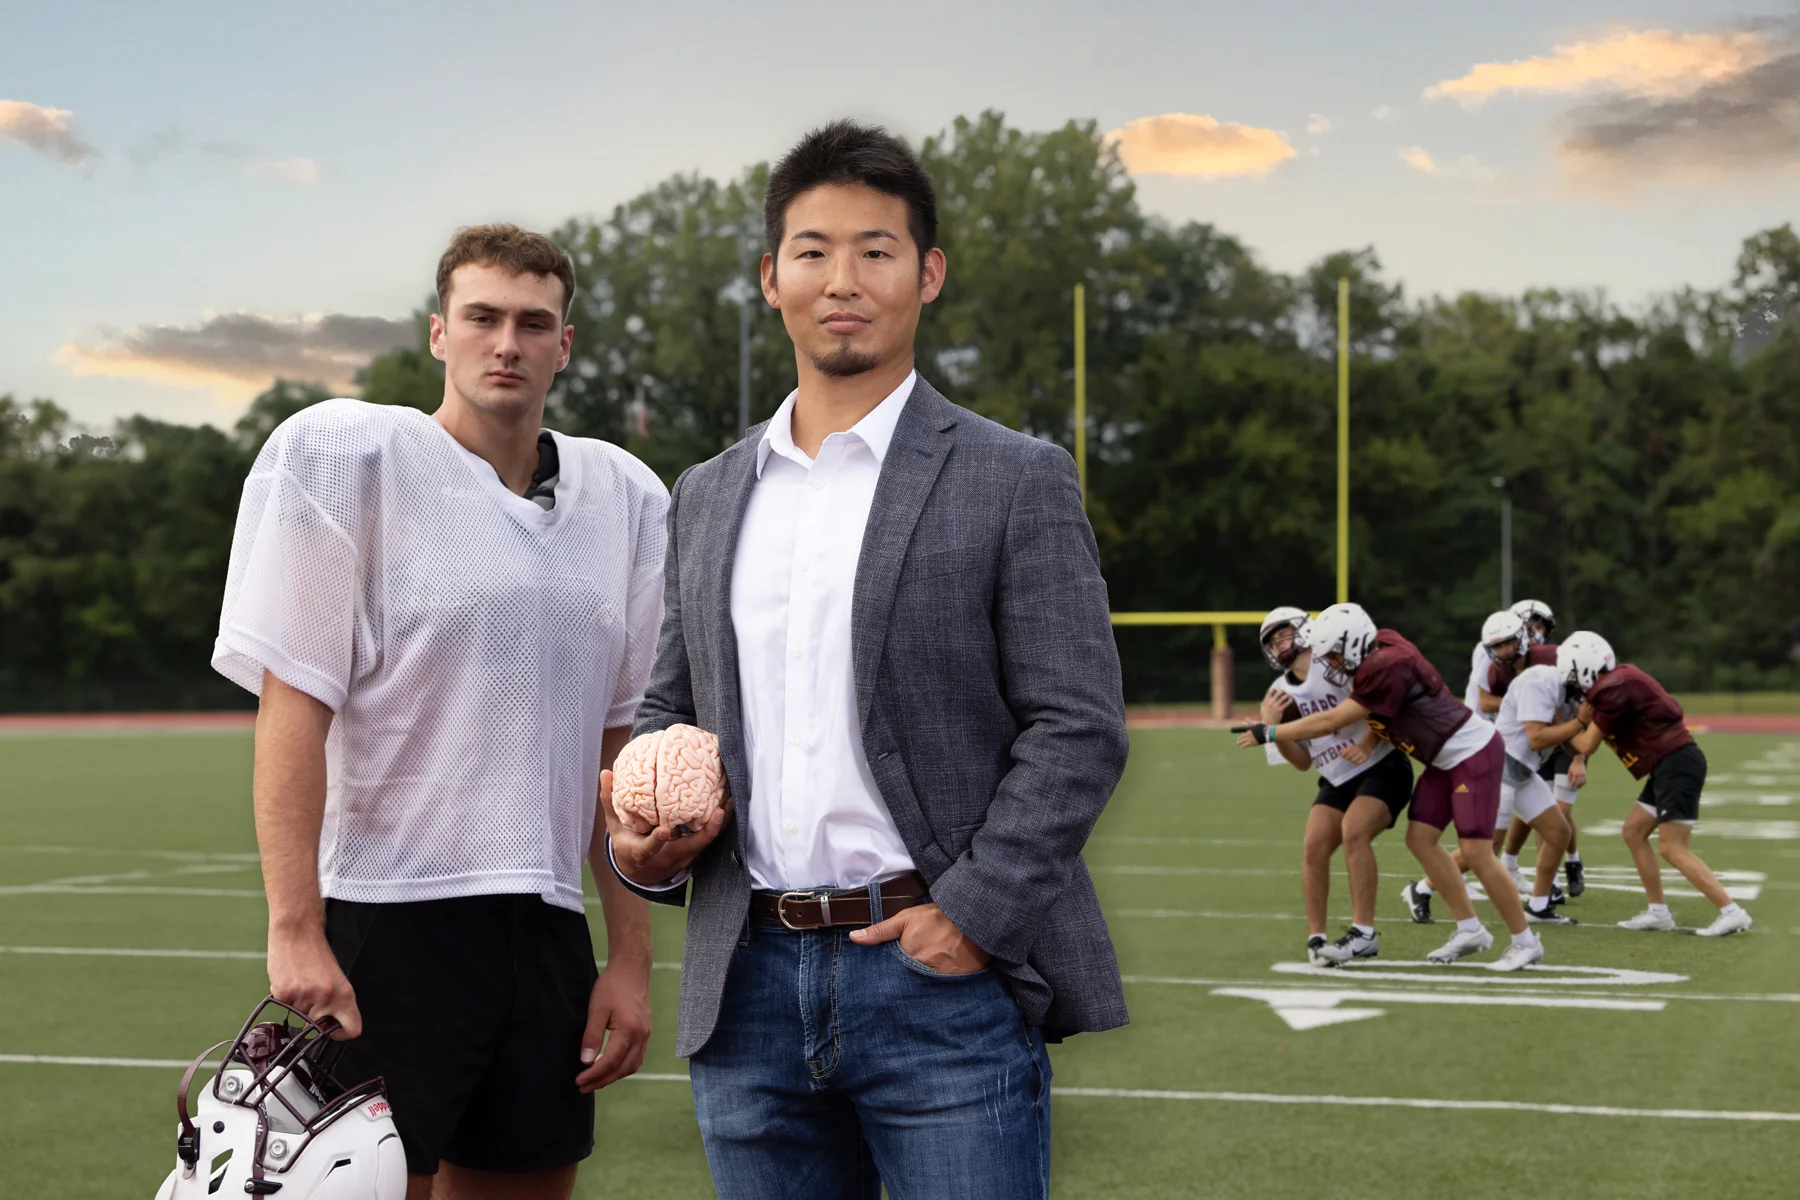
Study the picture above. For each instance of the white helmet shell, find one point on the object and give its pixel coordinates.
(1346, 631)
(1503, 628)
(1536, 610)
(1285, 617)
(1583, 659)
(273, 1121)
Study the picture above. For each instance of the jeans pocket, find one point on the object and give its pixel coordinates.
(920, 968)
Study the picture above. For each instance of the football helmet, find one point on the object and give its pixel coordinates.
(1285, 617)
(1536, 610)
(1582, 660)
(274, 1120)
(1346, 631)
(1505, 628)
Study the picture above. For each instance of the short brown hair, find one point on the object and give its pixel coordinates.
(511, 249)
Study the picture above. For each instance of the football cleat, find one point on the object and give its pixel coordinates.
(1548, 916)
(1418, 903)
(274, 1120)
(1313, 945)
(1461, 945)
(1518, 878)
(1519, 955)
(1577, 884)
(1557, 895)
(1648, 920)
(1737, 922)
(1354, 944)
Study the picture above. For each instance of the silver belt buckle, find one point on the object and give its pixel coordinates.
(781, 908)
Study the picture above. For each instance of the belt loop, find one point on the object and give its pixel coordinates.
(874, 902)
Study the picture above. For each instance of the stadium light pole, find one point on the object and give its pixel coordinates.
(743, 293)
(1499, 482)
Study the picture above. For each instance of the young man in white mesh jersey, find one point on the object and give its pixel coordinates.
(449, 620)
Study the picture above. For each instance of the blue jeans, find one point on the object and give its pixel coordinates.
(836, 1068)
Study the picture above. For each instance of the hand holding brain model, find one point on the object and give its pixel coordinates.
(672, 777)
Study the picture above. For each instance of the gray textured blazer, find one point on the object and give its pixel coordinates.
(987, 682)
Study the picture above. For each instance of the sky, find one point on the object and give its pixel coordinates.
(196, 197)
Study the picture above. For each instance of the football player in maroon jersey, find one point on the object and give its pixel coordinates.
(1403, 698)
(1644, 725)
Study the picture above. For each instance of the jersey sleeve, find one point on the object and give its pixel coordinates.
(644, 597)
(293, 590)
(1610, 705)
(1496, 681)
(1537, 702)
(1380, 683)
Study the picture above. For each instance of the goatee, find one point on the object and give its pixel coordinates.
(844, 362)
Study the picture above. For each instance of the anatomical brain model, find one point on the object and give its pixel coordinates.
(671, 777)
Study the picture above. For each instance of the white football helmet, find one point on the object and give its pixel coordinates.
(1536, 610)
(1285, 617)
(273, 1120)
(1505, 628)
(1346, 631)
(1582, 660)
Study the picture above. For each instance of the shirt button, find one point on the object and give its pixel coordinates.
(818, 485)
(794, 740)
(795, 653)
(793, 828)
(804, 564)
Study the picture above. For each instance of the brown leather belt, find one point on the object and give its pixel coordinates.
(819, 908)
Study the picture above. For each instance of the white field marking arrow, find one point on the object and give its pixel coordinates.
(1310, 1009)
(1477, 973)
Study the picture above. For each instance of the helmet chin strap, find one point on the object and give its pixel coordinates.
(187, 1142)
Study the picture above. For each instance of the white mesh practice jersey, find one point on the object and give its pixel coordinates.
(1535, 694)
(1479, 663)
(473, 645)
(1316, 694)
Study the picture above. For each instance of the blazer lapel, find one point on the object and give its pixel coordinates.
(914, 458)
(724, 521)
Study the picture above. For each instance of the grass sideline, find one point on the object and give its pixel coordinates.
(154, 836)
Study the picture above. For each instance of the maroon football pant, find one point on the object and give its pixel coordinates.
(1466, 795)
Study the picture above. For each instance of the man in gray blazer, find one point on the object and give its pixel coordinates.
(890, 610)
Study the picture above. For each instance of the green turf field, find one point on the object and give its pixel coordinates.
(133, 843)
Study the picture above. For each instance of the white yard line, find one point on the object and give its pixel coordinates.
(1573, 1110)
(123, 852)
(58, 889)
(111, 952)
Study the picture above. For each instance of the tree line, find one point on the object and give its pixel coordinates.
(1652, 456)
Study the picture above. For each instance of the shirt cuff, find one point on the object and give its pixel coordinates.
(681, 877)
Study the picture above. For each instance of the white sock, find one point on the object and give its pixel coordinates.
(1527, 938)
(1573, 856)
(1510, 861)
(1659, 910)
(1472, 925)
(1537, 904)
(1730, 910)
(1424, 888)
(1365, 930)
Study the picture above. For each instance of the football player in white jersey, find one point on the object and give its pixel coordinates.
(1363, 788)
(449, 620)
(1540, 624)
(1536, 719)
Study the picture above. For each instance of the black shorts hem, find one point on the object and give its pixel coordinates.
(546, 1162)
(1674, 785)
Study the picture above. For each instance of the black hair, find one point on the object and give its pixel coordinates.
(845, 154)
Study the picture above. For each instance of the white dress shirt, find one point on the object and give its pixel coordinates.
(815, 817)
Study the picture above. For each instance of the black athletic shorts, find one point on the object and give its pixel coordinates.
(1673, 786)
(1555, 763)
(1389, 781)
(473, 1010)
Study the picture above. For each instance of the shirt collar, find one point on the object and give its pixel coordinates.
(876, 429)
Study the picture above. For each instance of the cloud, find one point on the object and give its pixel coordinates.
(1318, 124)
(1652, 63)
(1466, 166)
(292, 170)
(1383, 112)
(45, 130)
(239, 354)
(1189, 144)
(1742, 126)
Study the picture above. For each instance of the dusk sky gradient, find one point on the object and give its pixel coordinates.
(166, 165)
